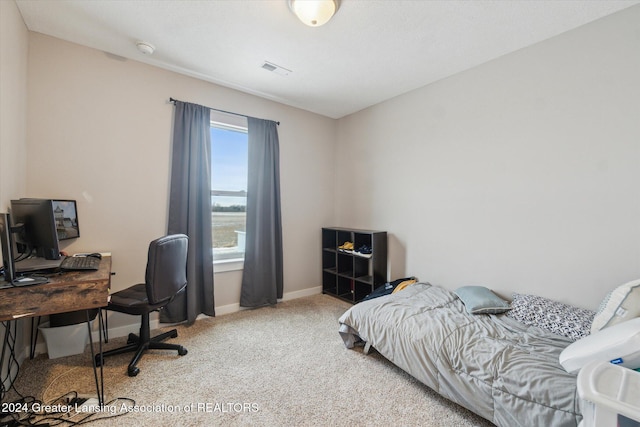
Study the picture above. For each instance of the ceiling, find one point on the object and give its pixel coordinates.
(372, 50)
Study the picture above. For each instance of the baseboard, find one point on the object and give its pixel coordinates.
(234, 308)
(303, 293)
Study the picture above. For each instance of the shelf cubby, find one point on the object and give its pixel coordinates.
(347, 275)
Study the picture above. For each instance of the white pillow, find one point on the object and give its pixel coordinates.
(623, 303)
(619, 344)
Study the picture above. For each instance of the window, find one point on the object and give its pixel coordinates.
(229, 151)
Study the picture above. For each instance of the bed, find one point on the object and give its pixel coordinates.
(493, 365)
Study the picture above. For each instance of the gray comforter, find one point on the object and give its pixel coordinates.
(494, 366)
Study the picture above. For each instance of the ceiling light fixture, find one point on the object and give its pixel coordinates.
(145, 48)
(314, 12)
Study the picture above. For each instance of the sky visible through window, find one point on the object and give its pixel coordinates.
(229, 151)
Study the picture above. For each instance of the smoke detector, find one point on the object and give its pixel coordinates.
(145, 48)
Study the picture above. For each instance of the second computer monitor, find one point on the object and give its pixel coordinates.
(66, 216)
(35, 226)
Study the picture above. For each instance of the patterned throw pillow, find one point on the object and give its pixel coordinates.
(555, 317)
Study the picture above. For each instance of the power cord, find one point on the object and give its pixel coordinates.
(8, 353)
(44, 393)
(68, 409)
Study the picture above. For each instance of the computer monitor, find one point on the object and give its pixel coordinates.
(11, 276)
(7, 247)
(66, 215)
(35, 226)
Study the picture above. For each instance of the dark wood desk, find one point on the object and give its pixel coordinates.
(65, 292)
(69, 291)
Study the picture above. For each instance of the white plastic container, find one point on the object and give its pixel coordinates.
(609, 391)
(65, 340)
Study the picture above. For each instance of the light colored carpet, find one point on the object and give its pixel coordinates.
(275, 366)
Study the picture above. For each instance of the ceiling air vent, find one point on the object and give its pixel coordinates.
(275, 68)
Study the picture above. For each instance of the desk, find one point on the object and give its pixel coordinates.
(68, 291)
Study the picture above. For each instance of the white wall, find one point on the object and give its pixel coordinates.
(521, 174)
(13, 118)
(99, 131)
(13, 102)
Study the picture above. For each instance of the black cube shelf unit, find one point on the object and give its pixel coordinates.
(347, 275)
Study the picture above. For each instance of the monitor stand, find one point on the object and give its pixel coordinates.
(37, 264)
(28, 281)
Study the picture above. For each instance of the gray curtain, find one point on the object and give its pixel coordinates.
(190, 210)
(262, 274)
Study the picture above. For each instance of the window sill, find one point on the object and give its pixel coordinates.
(222, 265)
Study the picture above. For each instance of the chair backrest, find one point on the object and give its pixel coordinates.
(166, 268)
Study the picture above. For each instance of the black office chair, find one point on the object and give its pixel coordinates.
(166, 276)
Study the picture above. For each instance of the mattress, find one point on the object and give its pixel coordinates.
(498, 368)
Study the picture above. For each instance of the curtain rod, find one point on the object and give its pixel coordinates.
(173, 101)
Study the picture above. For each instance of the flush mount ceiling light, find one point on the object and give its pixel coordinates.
(145, 48)
(314, 12)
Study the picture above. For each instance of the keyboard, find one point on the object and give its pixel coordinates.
(80, 263)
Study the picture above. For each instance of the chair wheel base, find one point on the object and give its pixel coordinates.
(182, 351)
(133, 371)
